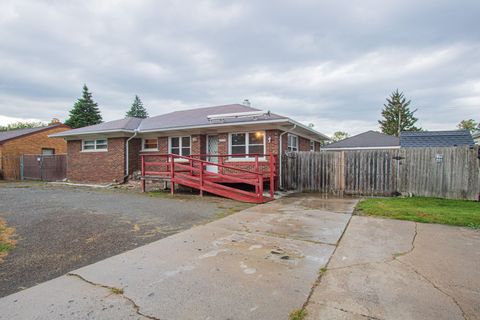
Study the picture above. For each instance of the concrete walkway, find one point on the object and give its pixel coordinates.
(390, 269)
(260, 263)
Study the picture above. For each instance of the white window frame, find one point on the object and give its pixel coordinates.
(312, 145)
(180, 146)
(291, 147)
(149, 149)
(95, 145)
(247, 146)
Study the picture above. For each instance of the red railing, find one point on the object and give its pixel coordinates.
(178, 168)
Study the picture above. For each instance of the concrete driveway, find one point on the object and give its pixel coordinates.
(260, 263)
(390, 269)
(303, 251)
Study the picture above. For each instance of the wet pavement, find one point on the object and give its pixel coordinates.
(260, 263)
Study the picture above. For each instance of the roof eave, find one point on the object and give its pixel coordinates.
(272, 121)
(214, 125)
(66, 135)
(298, 124)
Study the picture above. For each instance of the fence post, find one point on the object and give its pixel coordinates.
(41, 167)
(21, 167)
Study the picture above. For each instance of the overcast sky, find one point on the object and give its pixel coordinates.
(331, 63)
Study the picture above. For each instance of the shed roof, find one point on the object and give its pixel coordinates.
(411, 139)
(17, 133)
(366, 140)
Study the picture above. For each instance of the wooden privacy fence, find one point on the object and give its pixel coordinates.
(452, 172)
(10, 167)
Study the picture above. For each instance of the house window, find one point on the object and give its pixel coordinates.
(149, 144)
(94, 145)
(312, 146)
(48, 151)
(292, 142)
(180, 146)
(243, 144)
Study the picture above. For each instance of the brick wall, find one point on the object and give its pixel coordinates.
(109, 166)
(134, 147)
(303, 144)
(97, 167)
(11, 150)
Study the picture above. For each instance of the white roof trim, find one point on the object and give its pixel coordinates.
(67, 134)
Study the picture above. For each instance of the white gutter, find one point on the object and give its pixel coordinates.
(67, 134)
(298, 124)
(127, 155)
(281, 153)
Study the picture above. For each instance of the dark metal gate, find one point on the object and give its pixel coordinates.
(43, 167)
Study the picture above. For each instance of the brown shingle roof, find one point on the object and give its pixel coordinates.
(17, 133)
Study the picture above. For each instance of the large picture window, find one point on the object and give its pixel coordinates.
(246, 143)
(180, 146)
(149, 144)
(94, 145)
(292, 142)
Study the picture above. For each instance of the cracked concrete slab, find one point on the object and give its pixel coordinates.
(373, 240)
(236, 274)
(381, 291)
(450, 258)
(217, 271)
(390, 269)
(67, 298)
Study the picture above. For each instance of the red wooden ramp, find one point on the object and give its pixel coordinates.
(191, 172)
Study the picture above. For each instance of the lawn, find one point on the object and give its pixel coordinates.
(422, 209)
(6, 243)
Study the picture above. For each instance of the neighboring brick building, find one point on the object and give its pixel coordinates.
(99, 153)
(15, 143)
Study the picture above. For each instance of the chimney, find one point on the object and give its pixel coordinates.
(247, 103)
(55, 121)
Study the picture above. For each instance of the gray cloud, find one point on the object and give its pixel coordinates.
(330, 63)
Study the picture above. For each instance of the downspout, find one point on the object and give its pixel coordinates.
(127, 155)
(281, 154)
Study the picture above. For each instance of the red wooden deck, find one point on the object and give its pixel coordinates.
(192, 172)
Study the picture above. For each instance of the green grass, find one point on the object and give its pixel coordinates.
(422, 209)
(6, 241)
(298, 314)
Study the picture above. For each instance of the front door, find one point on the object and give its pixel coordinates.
(212, 148)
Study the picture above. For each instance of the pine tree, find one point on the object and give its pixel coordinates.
(85, 111)
(137, 110)
(397, 116)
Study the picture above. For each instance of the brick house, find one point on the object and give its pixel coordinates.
(111, 151)
(15, 143)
